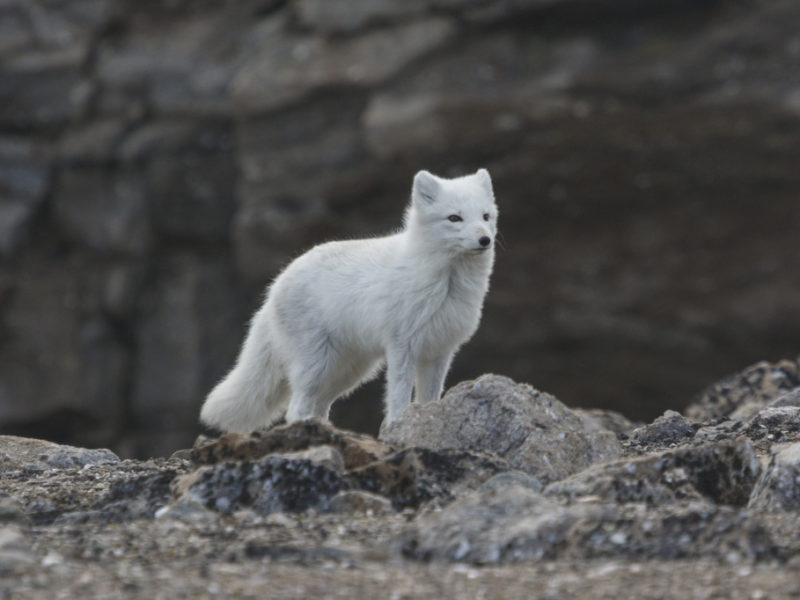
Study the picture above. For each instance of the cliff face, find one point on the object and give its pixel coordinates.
(159, 162)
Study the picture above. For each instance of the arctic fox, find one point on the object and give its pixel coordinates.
(341, 311)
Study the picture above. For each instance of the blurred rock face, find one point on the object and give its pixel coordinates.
(160, 162)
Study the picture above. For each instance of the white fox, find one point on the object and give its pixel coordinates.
(341, 311)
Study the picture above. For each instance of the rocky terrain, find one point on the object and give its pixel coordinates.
(496, 491)
(160, 161)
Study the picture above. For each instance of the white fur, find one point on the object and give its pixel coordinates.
(342, 310)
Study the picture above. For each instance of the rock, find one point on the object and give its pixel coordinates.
(93, 142)
(597, 419)
(287, 69)
(62, 485)
(778, 424)
(356, 450)
(408, 478)
(186, 510)
(11, 511)
(29, 87)
(743, 394)
(512, 478)
(506, 524)
(184, 320)
(30, 454)
(513, 524)
(55, 326)
(185, 66)
(15, 552)
(791, 398)
(268, 485)
(327, 456)
(723, 473)
(779, 485)
(314, 142)
(532, 430)
(668, 429)
(24, 181)
(413, 477)
(15, 221)
(357, 501)
(323, 16)
(191, 196)
(129, 498)
(104, 212)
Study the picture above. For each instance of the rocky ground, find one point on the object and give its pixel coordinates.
(496, 491)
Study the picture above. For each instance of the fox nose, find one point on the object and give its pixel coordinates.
(485, 241)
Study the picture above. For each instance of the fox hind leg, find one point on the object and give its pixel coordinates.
(315, 384)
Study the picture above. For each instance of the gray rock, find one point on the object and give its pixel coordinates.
(357, 450)
(182, 341)
(357, 501)
(327, 456)
(414, 477)
(598, 419)
(790, 398)
(15, 551)
(743, 394)
(43, 91)
(61, 485)
(186, 510)
(94, 142)
(355, 14)
(724, 473)
(61, 361)
(780, 424)
(191, 197)
(103, 211)
(669, 428)
(26, 453)
(15, 220)
(779, 486)
(514, 524)
(532, 430)
(12, 511)
(272, 484)
(24, 181)
(287, 69)
(512, 478)
(185, 66)
(134, 495)
(505, 524)
(408, 478)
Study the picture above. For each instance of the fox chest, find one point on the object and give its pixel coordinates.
(451, 321)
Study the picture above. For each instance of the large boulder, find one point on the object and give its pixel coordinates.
(532, 430)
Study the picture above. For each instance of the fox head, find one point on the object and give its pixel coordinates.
(458, 214)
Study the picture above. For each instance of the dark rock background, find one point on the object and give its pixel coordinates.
(160, 161)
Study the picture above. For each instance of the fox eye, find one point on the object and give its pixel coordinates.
(485, 216)
(454, 218)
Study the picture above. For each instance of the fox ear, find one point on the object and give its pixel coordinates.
(485, 180)
(426, 187)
